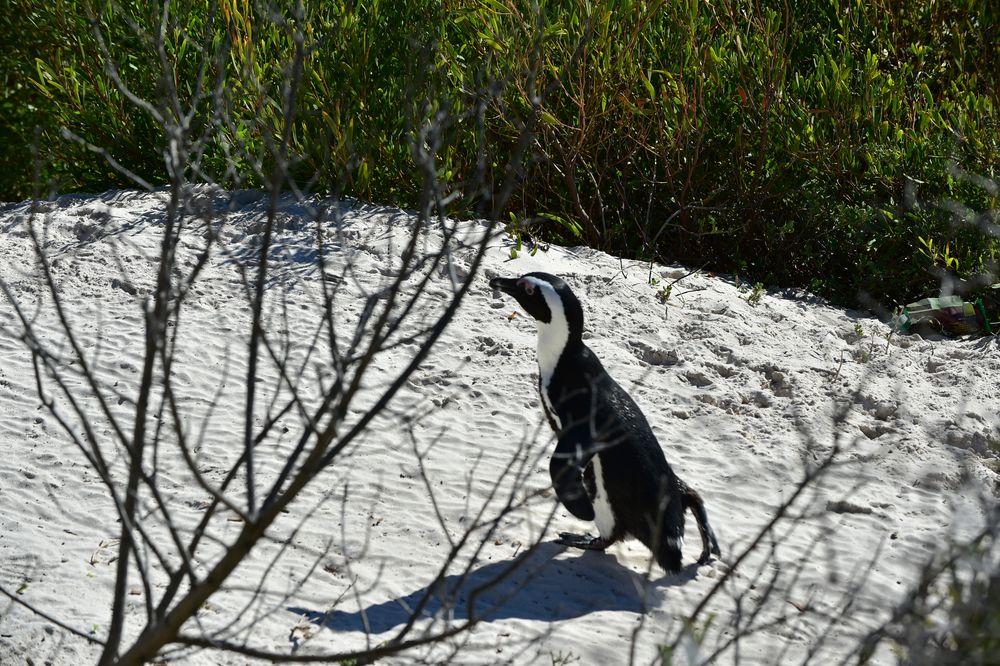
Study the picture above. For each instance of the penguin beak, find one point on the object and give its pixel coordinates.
(506, 285)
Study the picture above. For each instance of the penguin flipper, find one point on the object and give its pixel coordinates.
(573, 451)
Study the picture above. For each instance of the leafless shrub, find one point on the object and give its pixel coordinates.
(303, 395)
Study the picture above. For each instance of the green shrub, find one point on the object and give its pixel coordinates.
(809, 143)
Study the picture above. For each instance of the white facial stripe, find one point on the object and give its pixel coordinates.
(552, 337)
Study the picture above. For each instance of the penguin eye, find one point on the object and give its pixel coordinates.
(527, 286)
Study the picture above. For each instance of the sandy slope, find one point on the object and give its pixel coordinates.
(741, 396)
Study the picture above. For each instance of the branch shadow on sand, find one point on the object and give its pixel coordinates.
(534, 586)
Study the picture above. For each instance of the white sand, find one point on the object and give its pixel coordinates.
(742, 397)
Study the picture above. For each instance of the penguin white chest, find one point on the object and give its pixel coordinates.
(551, 342)
(604, 517)
(552, 338)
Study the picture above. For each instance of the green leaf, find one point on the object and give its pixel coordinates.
(649, 87)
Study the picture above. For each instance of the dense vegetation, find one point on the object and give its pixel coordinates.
(840, 145)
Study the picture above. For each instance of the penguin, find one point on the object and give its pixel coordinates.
(607, 466)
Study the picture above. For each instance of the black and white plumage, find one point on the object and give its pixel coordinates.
(607, 466)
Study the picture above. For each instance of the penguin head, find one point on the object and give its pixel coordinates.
(547, 299)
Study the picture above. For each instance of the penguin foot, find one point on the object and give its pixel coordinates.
(709, 551)
(584, 541)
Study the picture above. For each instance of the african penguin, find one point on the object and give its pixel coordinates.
(607, 466)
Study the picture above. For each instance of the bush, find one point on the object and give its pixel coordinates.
(813, 143)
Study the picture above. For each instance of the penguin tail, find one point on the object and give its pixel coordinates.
(692, 501)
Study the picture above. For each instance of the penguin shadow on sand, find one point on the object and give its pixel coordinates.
(534, 586)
